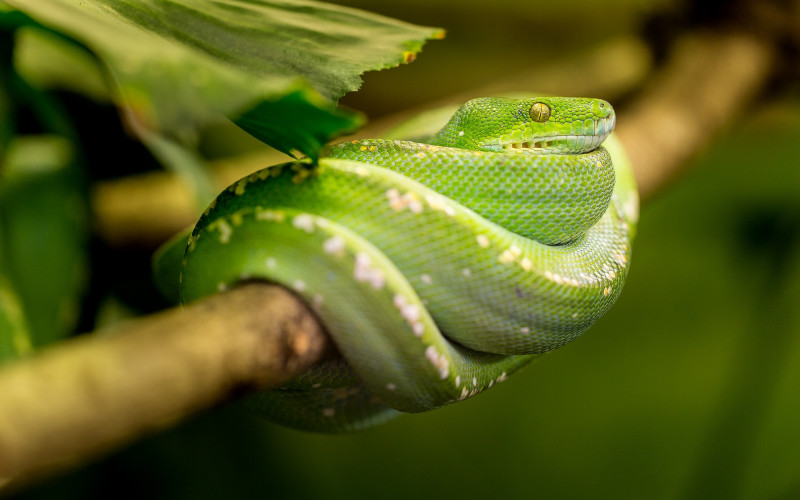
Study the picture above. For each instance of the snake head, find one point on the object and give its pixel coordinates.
(529, 126)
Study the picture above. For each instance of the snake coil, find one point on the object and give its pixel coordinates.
(439, 266)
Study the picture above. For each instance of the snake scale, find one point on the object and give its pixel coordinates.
(439, 267)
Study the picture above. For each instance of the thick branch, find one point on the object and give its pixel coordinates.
(94, 393)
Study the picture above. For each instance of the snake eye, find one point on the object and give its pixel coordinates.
(540, 112)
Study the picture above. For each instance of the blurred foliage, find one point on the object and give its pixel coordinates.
(686, 389)
(43, 213)
(174, 68)
(43, 225)
(177, 66)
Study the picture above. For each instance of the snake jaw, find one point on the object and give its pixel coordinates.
(559, 144)
(574, 143)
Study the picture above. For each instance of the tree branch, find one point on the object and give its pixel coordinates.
(94, 393)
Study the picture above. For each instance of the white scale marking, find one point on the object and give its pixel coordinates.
(270, 215)
(506, 257)
(439, 361)
(439, 203)
(411, 313)
(334, 245)
(365, 272)
(304, 222)
(225, 231)
(399, 202)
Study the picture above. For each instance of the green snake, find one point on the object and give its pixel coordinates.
(439, 267)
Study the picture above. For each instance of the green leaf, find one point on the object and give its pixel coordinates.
(289, 137)
(43, 228)
(47, 61)
(177, 65)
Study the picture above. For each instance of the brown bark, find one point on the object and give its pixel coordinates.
(94, 393)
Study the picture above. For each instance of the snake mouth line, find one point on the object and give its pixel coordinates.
(580, 141)
(556, 144)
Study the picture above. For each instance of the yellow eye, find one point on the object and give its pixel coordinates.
(540, 112)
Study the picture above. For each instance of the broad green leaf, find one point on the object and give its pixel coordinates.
(256, 121)
(43, 227)
(177, 65)
(47, 61)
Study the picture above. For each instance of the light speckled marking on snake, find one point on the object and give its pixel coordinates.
(512, 222)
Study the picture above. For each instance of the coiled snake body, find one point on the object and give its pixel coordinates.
(438, 268)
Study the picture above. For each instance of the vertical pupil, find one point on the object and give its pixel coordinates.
(540, 112)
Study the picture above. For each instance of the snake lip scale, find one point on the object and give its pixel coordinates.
(438, 267)
(576, 142)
